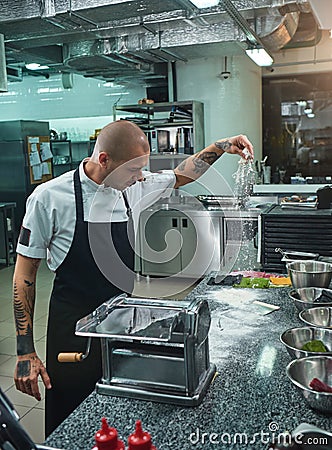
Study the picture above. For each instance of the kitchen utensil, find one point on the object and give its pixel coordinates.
(295, 338)
(152, 349)
(310, 273)
(311, 297)
(317, 317)
(290, 255)
(302, 371)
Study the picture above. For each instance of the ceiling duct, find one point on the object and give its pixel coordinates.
(136, 38)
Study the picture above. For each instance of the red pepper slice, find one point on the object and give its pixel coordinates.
(318, 385)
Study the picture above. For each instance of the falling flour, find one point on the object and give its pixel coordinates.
(244, 180)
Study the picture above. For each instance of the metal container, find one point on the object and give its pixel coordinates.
(295, 338)
(317, 317)
(310, 273)
(152, 349)
(302, 371)
(305, 298)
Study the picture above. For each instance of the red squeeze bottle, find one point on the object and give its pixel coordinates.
(140, 440)
(107, 438)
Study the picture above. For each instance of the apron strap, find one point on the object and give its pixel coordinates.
(129, 211)
(78, 196)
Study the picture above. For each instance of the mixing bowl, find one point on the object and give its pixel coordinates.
(320, 317)
(295, 338)
(310, 273)
(302, 371)
(309, 297)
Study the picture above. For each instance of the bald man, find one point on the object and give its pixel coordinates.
(81, 222)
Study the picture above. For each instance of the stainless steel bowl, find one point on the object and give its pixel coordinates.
(305, 298)
(310, 273)
(317, 317)
(295, 338)
(302, 371)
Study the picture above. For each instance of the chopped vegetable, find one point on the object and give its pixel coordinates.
(248, 282)
(319, 386)
(314, 346)
(281, 281)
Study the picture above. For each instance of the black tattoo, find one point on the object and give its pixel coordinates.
(182, 166)
(23, 369)
(19, 312)
(29, 283)
(223, 145)
(203, 160)
(24, 343)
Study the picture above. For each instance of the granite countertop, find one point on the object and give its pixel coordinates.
(251, 395)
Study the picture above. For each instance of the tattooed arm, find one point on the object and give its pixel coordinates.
(193, 167)
(28, 365)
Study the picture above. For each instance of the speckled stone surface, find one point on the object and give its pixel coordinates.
(249, 400)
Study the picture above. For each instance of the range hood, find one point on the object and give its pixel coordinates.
(134, 40)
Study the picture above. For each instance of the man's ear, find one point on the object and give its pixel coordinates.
(103, 158)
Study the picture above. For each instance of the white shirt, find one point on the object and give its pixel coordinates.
(50, 218)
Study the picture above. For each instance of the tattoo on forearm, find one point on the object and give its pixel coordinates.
(203, 160)
(182, 166)
(24, 344)
(23, 369)
(23, 313)
(223, 145)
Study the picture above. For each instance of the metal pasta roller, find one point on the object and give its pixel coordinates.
(152, 349)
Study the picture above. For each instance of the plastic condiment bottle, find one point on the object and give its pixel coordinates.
(107, 438)
(140, 440)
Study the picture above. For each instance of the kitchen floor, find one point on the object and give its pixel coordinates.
(30, 410)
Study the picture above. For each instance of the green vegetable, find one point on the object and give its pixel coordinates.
(314, 346)
(248, 282)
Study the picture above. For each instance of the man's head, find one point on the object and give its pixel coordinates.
(121, 152)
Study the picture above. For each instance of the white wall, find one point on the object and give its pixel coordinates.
(231, 106)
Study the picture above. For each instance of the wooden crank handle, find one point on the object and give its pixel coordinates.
(70, 357)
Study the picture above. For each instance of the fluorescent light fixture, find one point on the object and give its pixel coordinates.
(36, 66)
(204, 3)
(260, 56)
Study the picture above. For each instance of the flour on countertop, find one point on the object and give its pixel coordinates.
(233, 317)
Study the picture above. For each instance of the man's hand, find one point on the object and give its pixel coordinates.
(28, 368)
(196, 165)
(239, 145)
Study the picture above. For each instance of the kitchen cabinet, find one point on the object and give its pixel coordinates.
(186, 243)
(62, 156)
(67, 154)
(79, 151)
(174, 129)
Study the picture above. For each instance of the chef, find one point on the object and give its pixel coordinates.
(82, 223)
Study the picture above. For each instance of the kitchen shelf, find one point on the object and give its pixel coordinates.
(75, 151)
(156, 119)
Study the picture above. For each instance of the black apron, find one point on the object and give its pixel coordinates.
(79, 288)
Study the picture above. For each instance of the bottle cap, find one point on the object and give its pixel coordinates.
(140, 440)
(107, 438)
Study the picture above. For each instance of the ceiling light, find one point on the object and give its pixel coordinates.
(311, 115)
(307, 110)
(204, 3)
(36, 66)
(260, 56)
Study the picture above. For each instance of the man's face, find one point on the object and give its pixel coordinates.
(125, 173)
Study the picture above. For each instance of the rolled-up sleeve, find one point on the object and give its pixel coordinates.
(36, 230)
